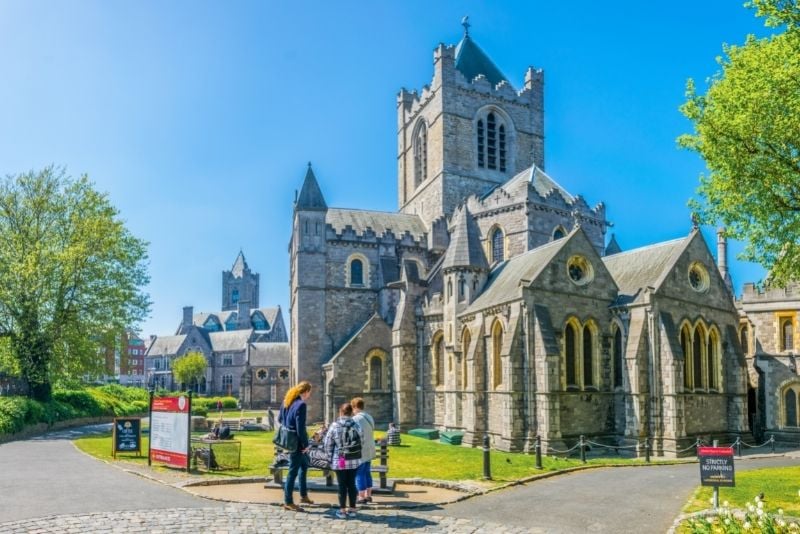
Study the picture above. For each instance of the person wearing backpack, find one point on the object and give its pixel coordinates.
(363, 473)
(343, 446)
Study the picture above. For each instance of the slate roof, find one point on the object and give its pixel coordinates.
(239, 265)
(310, 197)
(379, 221)
(270, 355)
(613, 247)
(270, 314)
(229, 340)
(465, 248)
(166, 345)
(503, 283)
(472, 61)
(643, 267)
(541, 181)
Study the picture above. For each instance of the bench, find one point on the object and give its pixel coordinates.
(381, 469)
(233, 424)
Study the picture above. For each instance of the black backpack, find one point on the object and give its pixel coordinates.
(351, 441)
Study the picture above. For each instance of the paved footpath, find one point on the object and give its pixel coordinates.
(47, 485)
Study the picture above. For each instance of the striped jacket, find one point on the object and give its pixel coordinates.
(334, 440)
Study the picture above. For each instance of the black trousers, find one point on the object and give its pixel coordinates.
(347, 487)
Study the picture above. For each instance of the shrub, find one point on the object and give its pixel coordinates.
(84, 404)
(13, 412)
(199, 410)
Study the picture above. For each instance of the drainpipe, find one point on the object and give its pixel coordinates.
(420, 324)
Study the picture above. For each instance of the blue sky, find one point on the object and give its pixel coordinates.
(198, 118)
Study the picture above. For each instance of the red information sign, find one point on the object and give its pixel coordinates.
(716, 466)
(169, 431)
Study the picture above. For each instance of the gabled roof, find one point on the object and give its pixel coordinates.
(166, 345)
(472, 61)
(200, 319)
(229, 340)
(379, 221)
(504, 280)
(541, 181)
(310, 197)
(374, 317)
(637, 269)
(613, 247)
(465, 248)
(239, 265)
(270, 354)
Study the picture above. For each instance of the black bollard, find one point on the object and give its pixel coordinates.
(697, 446)
(647, 450)
(487, 468)
(772, 442)
(738, 446)
(583, 449)
(538, 448)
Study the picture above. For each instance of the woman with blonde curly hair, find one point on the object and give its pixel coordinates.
(293, 417)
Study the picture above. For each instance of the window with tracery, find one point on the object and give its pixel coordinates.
(787, 334)
(492, 142)
(497, 361)
(420, 154)
(618, 358)
(498, 245)
(356, 273)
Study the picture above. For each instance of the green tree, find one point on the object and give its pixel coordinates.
(189, 369)
(70, 277)
(747, 129)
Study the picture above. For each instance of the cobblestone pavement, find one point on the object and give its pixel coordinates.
(240, 519)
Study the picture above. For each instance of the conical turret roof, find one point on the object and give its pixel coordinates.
(465, 248)
(472, 61)
(310, 197)
(239, 265)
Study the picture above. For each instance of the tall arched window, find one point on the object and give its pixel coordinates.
(787, 334)
(698, 340)
(466, 338)
(571, 356)
(375, 373)
(744, 340)
(420, 154)
(559, 233)
(498, 252)
(790, 406)
(712, 360)
(462, 289)
(356, 273)
(687, 357)
(492, 142)
(588, 357)
(449, 290)
(618, 358)
(235, 296)
(497, 362)
(438, 359)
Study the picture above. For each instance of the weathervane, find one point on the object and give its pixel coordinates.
(466, 24)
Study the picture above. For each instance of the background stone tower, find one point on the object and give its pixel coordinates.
(467, 131)
(310, 345)
(239, 285)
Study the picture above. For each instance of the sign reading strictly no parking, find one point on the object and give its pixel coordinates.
(716, 466)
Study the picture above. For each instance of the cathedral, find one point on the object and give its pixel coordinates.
(492, 301)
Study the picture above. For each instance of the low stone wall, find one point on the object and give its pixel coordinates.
(41, 428)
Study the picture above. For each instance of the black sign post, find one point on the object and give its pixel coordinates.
(127, 435)
(716, 468)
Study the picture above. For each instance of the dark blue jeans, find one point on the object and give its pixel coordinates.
(298, 464)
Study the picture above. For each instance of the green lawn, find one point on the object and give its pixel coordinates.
(780, 486)
(415, 458)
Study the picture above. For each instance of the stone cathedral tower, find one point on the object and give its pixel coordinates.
(466, 132)
(239, 284)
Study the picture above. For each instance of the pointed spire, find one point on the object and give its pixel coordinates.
(239, 265)
(613, 247)
(310, 197)
(472, 61)
(465, 248)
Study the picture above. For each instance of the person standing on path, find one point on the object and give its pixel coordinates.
(293, 416)
(363, 473)
(343, 446)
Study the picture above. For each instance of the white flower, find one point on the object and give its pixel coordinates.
(751, 508)
(780, 511)
(760, 505)
(727, 520)
(724, 504)
(781, 523)
(760, 512)
(746, 525)
(757, 498)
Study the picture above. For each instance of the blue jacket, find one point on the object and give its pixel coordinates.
(295, 419)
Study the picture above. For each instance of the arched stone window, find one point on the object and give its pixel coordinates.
(497, 361)
(357, 271)
(712, 360)
(375, 373)
(449, 290)
(462, 289)
(687, 357)
(618, 358)
(698, 342)
(787, 334)
(744, 339)
(588, 356)
(492, 142)
(571, 355)
(420, 153)
(790, 409)
(438, 359)
(559, 233)
(498, 245)
(466, 339)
